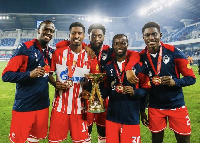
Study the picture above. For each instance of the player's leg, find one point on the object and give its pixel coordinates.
(179, 122)
(90, 120)
(40, 126)
(21, 125)
(59, 127)
(100, 120)
(157, 124)
(182, 138)
(101, 134)
(130, 134)
(157, 137)
(112, 132)
(78, 129)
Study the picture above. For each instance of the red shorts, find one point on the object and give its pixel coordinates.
(120, 133)
(179, 120)
(29, 124)
(61, 123)
(98, 118)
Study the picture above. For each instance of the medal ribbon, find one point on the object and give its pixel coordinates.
(47, 52)
(70, 62)
(120, 78)
(157, 72)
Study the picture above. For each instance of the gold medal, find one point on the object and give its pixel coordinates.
(156, 80)
(47, 68)
(69, 83)
(119, 88)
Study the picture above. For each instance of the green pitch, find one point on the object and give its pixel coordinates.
(192, 99)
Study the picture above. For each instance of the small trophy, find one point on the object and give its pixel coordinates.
(95, 100)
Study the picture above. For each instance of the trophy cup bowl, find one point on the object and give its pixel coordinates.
(95, 99)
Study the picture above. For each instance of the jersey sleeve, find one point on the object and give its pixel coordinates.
(15, 71)
(144, 83)
(183, 67)
(134, 58)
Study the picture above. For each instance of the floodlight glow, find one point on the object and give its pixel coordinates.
(4, 17)
(0, 17)
(143, 11)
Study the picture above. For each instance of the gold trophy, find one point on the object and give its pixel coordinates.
(95, 100)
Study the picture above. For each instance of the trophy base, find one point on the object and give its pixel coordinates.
(96, 109)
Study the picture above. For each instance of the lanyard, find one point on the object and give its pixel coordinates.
(40, 48)
(157, 72)
(120, 76)
(70, 62)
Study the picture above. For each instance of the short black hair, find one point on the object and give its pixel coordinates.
(151, 24)
(45, 21)
(77, 24)
(97, 26)
(120, 35)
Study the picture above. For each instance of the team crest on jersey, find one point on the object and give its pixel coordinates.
(188, 66)
(104, 56)
(64, 58)
(97, 67)
(166, 59)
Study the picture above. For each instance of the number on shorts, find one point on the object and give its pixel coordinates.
(84, 127)
(188, 120)
(136, 139)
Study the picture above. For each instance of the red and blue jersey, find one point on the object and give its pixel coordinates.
(123, 108)
(173, 64)
(31, 93)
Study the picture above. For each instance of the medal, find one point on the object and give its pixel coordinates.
(119, 88)
(69, 83)
(156, 80)
(47, 68)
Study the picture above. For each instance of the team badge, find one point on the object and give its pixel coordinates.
(188, 66)
(104, 56)
(166, 59)
(97, 67)
(64, 58)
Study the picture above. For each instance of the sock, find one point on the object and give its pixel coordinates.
(101, 139)
(88, 140)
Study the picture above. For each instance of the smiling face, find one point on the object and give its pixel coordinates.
(120, 45)
(45, 32)
(96, 38)
(76, 36)
(152, 38)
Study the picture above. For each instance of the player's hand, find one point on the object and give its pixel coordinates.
(90, 52)
(37, 72)
(167, 80)
(131, 77)
(144, 119)
(85, 94)
(61, 86)
(128, 90)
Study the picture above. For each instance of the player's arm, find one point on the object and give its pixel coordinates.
(134, 58)
(15, 71)
(184, 68)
